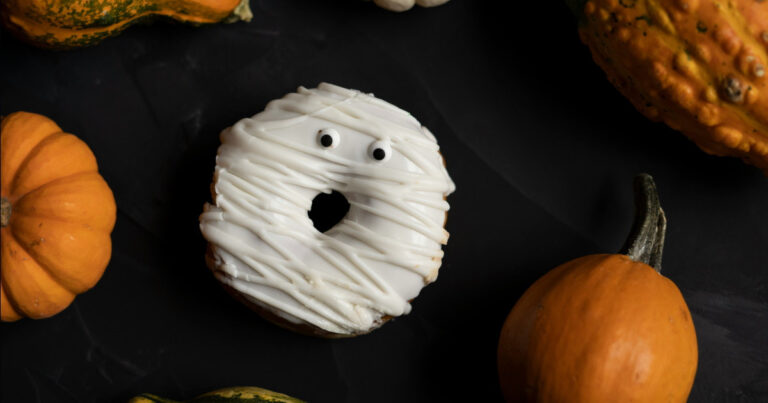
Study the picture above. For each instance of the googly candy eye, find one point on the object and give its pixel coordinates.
(380, 151)
(328, 138)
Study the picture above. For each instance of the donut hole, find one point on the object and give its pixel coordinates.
(327, 210)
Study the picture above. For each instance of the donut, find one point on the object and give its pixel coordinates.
(350, 279)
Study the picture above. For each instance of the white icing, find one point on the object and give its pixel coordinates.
(270, 167)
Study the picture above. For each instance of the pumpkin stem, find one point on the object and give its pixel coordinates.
(645, 242)
(241, 13)
(5, 212)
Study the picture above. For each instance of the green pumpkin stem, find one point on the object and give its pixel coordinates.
(645, 242)
(5, 212)
(241, 13)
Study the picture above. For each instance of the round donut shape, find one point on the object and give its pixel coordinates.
(350, 279)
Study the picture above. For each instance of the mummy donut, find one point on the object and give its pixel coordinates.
(349, 280)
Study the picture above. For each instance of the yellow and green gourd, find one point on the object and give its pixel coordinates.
(66, 24)
(241, 394)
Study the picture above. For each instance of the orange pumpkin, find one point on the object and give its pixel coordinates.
(57, 216)
(603, 328)
(700, 66)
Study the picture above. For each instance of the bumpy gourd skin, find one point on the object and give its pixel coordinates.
(698, 65)
(66, 24)
(241, 394)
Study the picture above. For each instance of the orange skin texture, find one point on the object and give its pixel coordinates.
(74, 23)
(57, 241)
(600, 328)
(700, 66)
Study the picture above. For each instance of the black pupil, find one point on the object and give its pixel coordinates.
(326, 140)
(379, 154)
(327, 210)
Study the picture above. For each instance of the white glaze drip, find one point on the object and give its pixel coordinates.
(270, 167)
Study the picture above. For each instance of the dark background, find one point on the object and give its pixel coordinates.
(541, 147)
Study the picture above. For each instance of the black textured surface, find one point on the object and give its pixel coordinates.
(542, 149)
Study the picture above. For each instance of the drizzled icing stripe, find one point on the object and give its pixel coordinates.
(268, 170)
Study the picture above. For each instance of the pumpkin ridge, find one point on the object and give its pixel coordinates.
(42, 266)
(15, 315)
(27, 157)
(21, 198)
(17, 199)
(57, 219)
(11, 298)
(33, 151)
(38, 149)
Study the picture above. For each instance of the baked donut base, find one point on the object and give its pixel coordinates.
(271, 315)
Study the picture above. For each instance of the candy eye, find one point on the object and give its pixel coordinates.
(328, 138)
(380, 151)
